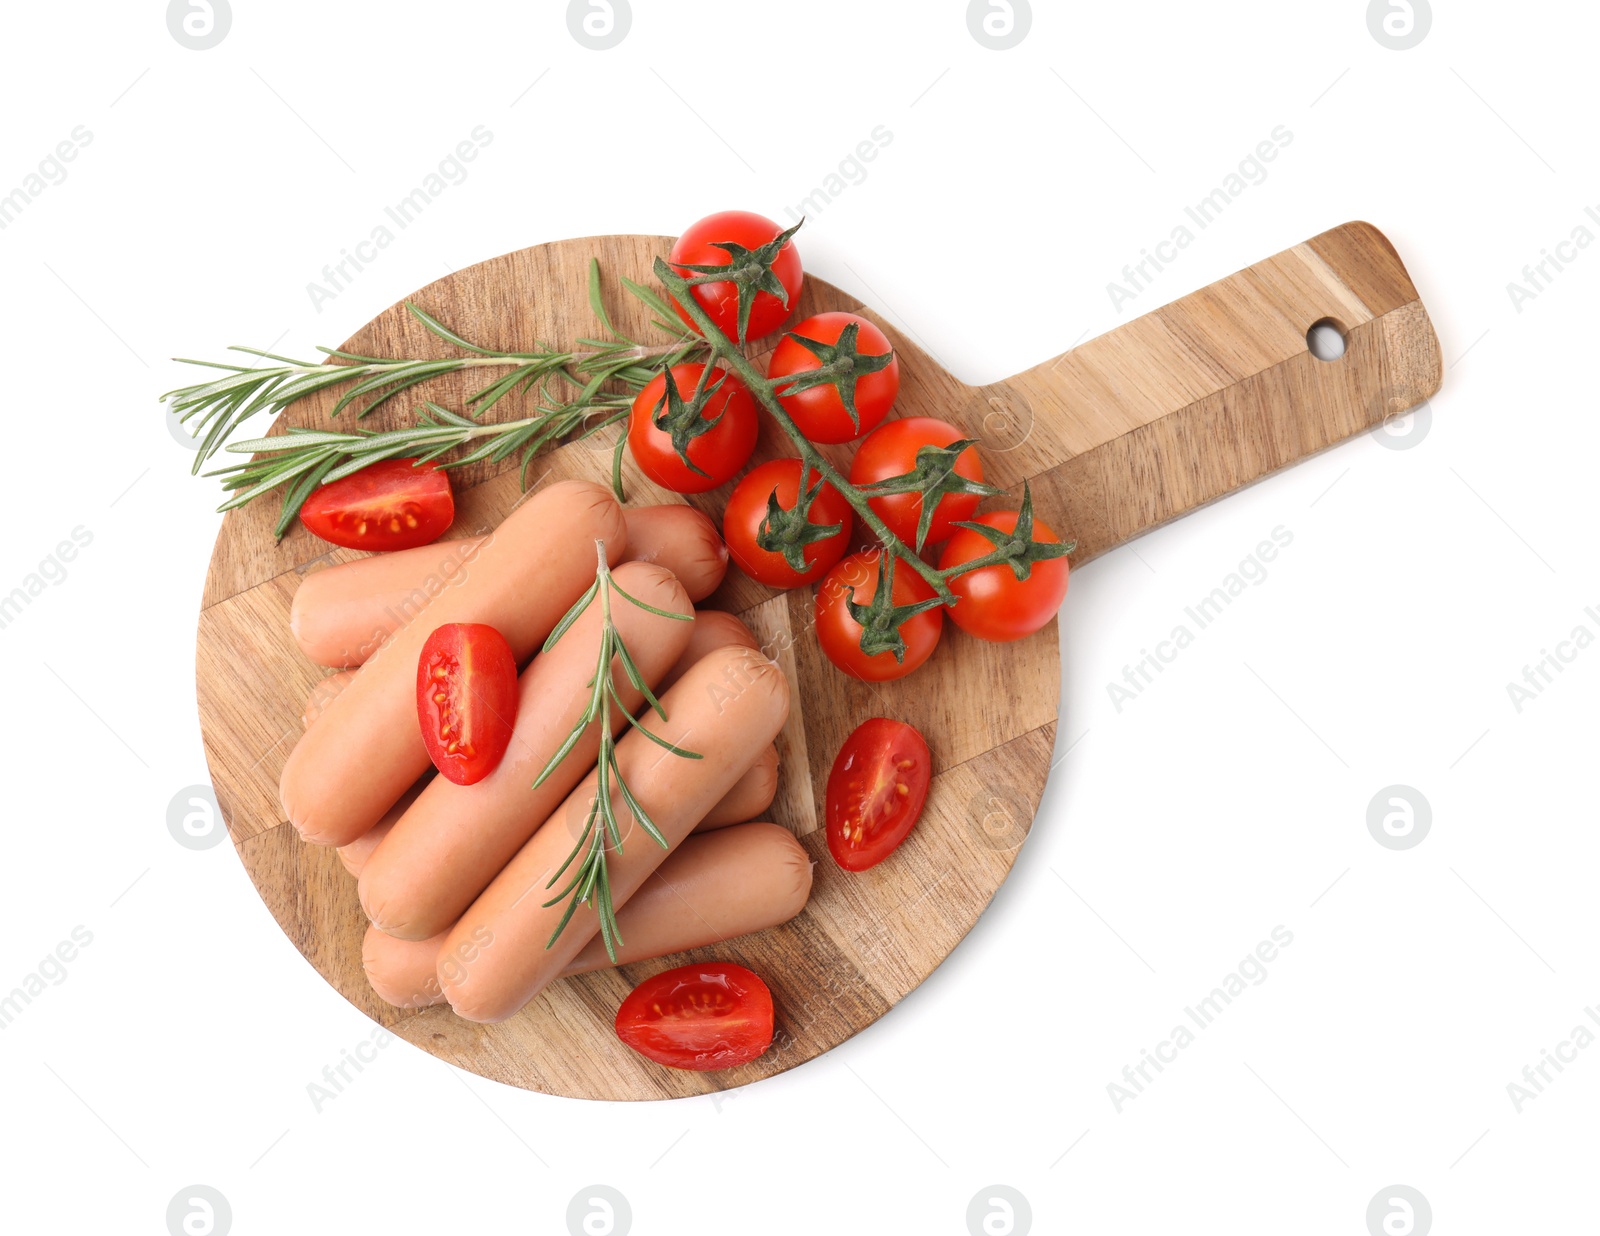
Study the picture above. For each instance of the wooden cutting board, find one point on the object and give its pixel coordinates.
(1141, 425)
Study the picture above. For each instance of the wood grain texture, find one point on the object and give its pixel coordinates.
(1154, 419)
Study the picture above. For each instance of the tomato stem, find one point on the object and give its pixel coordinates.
(766, 392)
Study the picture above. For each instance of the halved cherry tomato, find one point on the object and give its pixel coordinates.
(387, 505)
(719, 451)
(705, 1017)
(466, 699)
(840, 634)
(995, 604)
(820, 411)
(891, 450)
(876, 791)
(748, 507)
(747, 233)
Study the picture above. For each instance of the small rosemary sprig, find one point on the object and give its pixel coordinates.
(302, 459)
(590, 880)
(592, 368)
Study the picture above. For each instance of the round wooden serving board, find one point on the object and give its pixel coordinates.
(1127, 431)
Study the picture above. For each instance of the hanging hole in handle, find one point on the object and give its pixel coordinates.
(1326, 339)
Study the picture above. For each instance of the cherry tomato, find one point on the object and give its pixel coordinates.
(819, 411)
(891, 450)
(705, 1017)
(749, 233)
(718, 452)
(466, 699)
(387, 505)
(876, 791)
(748, 506)
(995, 604)
(840, 634)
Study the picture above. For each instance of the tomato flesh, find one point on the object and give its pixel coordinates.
(467, 699)
(876, 792)
(703, 1017)
(388, 505)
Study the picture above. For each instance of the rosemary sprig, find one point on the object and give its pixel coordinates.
(600, 834)
(304, 458)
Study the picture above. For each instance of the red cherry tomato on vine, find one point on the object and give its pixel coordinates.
(466, 699)
(891, 450)
(840, 634)
(698, 247)
(748, 507)
(387, 505)
(995, 604)
(705, 1017)
(819, 411)
(719, 452)
(876, 791)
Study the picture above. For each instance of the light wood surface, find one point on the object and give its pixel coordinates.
(1154, 419)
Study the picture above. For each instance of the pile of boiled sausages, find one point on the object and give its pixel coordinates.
(454, 877)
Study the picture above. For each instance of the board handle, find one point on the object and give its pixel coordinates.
(1211, 392)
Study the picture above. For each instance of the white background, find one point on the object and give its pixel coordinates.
(1230, 797)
